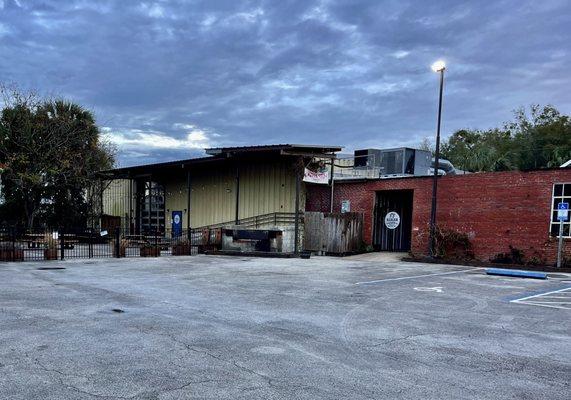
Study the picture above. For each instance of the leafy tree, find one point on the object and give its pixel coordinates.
(426, 145)
(51, 151)
(541, 140)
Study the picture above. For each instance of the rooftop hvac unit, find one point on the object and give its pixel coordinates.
(395, 162)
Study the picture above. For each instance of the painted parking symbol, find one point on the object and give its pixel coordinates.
(437, 289)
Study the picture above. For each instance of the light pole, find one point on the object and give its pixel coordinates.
(438, 66)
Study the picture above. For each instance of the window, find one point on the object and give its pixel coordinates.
(561, 193)
(151, 208)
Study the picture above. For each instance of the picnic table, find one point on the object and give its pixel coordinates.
(139, 240)
(37, 240)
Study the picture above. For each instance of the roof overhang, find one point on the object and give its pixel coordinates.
(222, 154)
(284, 149)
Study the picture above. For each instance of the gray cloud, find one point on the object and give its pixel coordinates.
(354, 73)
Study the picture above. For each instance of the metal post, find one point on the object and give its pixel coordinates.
(332, 184)
(432, 249)
(117, 242)
(560, 246)
(130, 205)
(296, 226)
(150, 213)
(90, 243)
(12, 235)
(62, 244)
(188, 200)
(157, 251)
(237, 220)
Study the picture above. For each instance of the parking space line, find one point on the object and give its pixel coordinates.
(548, 300)
(542, 294)
(416, 276)
(539, 304)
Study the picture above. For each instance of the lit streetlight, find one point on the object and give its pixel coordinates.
(440, 67)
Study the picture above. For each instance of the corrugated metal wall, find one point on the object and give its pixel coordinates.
(176, 198)
(212, 196)
(115, 198)
(265, 187)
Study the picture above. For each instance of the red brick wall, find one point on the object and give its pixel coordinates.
(495, 209)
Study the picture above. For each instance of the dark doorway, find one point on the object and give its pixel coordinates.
(392, 232)
(150, 207)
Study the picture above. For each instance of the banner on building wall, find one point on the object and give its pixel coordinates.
(176, 223)
(320, 176)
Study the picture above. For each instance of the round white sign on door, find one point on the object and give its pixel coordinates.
(177, 219)
(392, 220)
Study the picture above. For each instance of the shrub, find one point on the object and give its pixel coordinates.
(514, 256)
(451, 244)
(537, 259)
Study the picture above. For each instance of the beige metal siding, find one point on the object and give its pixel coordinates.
(176, 195)
(266, 188)
(212, 196)
(116, 198)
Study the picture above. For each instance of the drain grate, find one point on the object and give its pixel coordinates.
(49, 268)
(117, 310)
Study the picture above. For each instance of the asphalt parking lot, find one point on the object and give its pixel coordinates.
(214, 327)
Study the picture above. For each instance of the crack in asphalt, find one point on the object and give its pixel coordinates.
(269, 380)
(62, 375)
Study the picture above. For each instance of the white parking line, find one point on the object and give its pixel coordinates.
(546, 300)
(416, 276)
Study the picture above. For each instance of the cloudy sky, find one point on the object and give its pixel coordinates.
(168, 78)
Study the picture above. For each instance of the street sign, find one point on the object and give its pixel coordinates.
(563, 212)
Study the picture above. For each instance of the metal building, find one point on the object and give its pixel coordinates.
(230, 186)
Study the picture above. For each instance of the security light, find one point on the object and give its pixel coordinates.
(439, 66)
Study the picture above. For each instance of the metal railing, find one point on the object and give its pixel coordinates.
(270, 219)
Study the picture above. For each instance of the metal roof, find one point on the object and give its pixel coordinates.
(223, 153)
(272, 147)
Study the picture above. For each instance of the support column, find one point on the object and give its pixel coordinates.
(130, 206)
(332, 184)
(188, 200)
(237, 217)
(296, 233)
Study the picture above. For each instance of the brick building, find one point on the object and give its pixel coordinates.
(496, 210)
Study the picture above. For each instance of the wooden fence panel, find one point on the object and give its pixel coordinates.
(333, 233)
